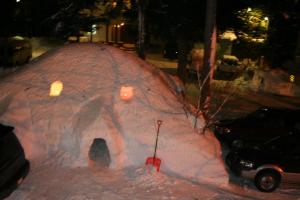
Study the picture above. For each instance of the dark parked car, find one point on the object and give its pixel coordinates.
(257, 128)
(278, 160)
(15, 51)
(13, 165)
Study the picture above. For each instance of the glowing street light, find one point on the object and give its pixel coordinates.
(292, 78)
(94, 29)
(249, 9)
(18, 1)
(266, 18)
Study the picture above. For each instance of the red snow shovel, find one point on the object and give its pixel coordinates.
(154, 160)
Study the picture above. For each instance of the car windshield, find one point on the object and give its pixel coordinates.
(258, 114)
(230, 62)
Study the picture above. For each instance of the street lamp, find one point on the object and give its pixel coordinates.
(94, 29)
(266, 22)
(18, 1)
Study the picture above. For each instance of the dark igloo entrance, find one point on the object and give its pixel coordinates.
(99, 152)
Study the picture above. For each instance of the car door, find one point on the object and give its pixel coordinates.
(274, 125)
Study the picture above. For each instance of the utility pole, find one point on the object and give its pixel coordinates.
(141, 28)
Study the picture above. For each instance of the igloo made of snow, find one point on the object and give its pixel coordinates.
(88, 107)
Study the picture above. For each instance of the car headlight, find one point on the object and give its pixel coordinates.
(226, 130)
(223, 130)
(246, 164)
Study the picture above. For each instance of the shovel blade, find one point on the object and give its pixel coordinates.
(154, 161)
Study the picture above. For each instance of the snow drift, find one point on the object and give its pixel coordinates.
(62, 129)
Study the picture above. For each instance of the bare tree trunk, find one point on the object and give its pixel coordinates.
(183, 50)
(141, 27)
(116, 34)
(210, 34)
(91, 36)
(106, 31)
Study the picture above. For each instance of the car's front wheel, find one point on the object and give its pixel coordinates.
(267, 180)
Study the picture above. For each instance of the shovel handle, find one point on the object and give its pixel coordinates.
(159, 122)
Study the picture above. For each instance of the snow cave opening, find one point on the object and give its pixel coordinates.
(99, 152)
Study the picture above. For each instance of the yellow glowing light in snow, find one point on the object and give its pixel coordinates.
(56, 88)
(126, 93)
(292, 78)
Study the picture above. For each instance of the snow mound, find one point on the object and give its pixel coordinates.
(88, 107)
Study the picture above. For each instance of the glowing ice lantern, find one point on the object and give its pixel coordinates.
(56, 88)
(126, 93)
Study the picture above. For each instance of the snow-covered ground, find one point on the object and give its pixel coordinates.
(275, 81)
(57, 132)
(47, 182)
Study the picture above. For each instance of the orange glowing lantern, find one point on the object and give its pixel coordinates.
(126, 93)
(56, 89)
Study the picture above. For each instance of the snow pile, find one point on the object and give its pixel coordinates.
(274, 81)
(62, 129)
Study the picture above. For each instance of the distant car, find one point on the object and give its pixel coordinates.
(15, 51)
(256, 128)
(13, 165)
(170, 50)
(276, 161)
(229, 67)
(229, 63)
